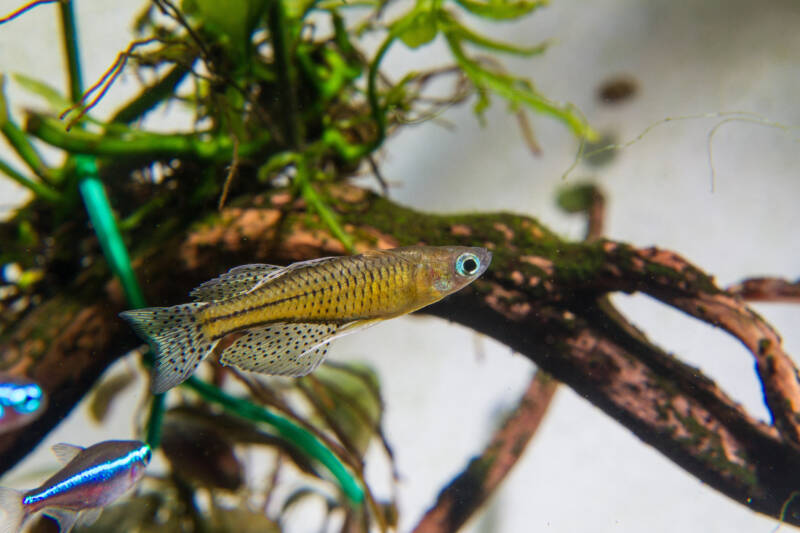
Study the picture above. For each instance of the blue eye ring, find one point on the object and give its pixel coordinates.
(468, 264)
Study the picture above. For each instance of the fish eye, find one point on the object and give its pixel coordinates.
(467, 264)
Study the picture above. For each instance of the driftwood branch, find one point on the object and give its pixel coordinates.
(471, 488)
(767, 290)
(543, 297)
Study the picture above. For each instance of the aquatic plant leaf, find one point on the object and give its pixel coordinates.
(349, 397)
(416, 28)
(304, 493)
(449, 24)
(238, 520)
(501, 9)
(577, 198)
(239, 431)
(233, 20)
(517, 90)
(198, 452)
(105, 394)
(54, 98)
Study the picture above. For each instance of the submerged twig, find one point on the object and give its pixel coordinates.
(231, 174)
(104, 83)
(24, 9)
(767, 290)
(473, 486)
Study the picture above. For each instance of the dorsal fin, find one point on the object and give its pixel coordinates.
(245, 278)
(66, 452)
(290, 268)
(235, 281)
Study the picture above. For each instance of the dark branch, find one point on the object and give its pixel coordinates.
(767, 290)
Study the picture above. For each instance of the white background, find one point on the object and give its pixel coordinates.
(446, 387)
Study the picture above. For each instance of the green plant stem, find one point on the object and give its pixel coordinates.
(151, 96)
(217, 149)
(70, 40)
(20, 142)
(326, 214)
(511, 89)
(276, 19)
(334, 138)
(40, 190)
(303, 182)
(372, 91)
(293, 433)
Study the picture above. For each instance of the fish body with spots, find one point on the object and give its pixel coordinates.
(286, 316)
(91, 478)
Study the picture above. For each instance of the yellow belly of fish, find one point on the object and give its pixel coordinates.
(385, 292)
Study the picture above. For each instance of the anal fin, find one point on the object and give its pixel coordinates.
(90, 516)
(66, 519)
(282, 349)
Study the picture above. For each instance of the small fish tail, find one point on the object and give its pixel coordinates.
(176, 337)
(12, 510)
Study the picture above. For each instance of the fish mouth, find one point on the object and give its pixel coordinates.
(485, 257)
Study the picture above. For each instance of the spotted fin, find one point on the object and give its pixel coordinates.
(176, 338)
(66, 452)
(281, 349)
(287, 349)
(235, 281)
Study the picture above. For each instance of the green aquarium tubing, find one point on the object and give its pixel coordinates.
(292, 432)
(100, 214)
(97, 205)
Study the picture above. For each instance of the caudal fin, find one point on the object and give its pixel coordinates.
(12, 510)
(177, 338)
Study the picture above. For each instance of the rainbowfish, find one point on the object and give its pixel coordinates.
(21, 402)
(92, 478)
(288, 315)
